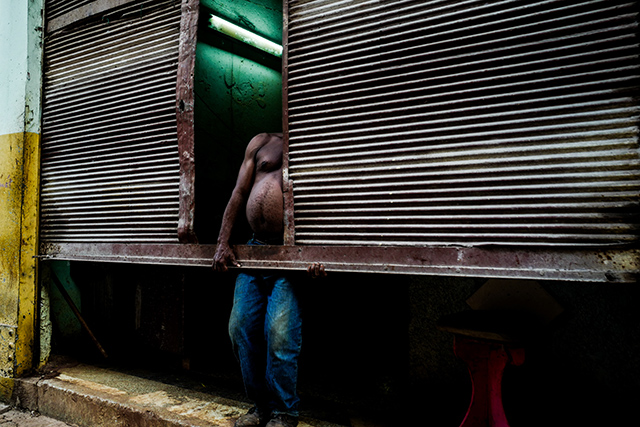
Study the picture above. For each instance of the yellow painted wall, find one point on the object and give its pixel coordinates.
(19, 166)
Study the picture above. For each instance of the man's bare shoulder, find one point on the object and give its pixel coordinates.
(260, 140)
(264, 138)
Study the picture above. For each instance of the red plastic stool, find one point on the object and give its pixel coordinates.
(487, 341)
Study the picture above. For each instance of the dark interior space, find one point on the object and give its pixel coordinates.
(371, 346)
(170, 323)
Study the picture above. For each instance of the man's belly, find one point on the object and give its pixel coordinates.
(265, 206)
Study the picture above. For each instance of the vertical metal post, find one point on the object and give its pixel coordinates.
(185, 119)
(289, 228)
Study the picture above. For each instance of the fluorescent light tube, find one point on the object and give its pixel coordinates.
(239, 33)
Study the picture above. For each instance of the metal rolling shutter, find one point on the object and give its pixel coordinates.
(57, 8)
(463, 122)
(110, 166)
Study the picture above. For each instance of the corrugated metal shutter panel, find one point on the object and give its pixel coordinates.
(464, 122)
(57, 8)
(110, 166)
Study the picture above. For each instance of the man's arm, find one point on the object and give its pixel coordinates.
(224, 255)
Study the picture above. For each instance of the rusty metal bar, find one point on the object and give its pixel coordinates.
(289, 222)
(77, 313)
(185, 116)
(612, 265)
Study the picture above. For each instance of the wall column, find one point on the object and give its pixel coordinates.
(21, 24)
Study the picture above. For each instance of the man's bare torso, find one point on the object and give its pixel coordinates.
(265, 204)
(261, 171)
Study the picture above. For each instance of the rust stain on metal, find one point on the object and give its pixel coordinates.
(185, 118)
(289, 224)
(612, 265)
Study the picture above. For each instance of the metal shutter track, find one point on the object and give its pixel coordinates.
(110, 167)
(464, 123)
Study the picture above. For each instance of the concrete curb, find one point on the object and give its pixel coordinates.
(94, 397)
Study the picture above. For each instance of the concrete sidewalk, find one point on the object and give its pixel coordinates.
(11, 417)
(88, 396)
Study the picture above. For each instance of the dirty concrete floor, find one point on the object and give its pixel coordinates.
(91, 396)
(12, 417)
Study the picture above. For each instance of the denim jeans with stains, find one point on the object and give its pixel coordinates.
(266, 334)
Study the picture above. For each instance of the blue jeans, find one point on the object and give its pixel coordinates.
(266, 334)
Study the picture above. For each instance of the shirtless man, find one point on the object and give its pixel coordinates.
(266, 321)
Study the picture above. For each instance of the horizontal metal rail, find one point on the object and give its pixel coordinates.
(566, 264)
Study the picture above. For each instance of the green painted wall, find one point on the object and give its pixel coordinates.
(64, 320)
(261, 16)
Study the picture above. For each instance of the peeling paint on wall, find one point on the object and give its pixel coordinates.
(19, 158)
